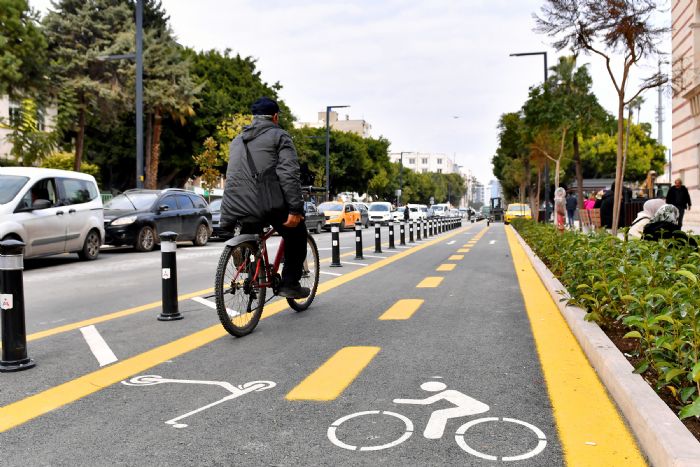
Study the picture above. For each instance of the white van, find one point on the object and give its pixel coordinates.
(52, 211)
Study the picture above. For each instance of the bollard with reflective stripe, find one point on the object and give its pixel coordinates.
(425, 228)
(430, 227)
(168, 249)
(358, 240)
(391, 236)
(402, 233)
(410, 231)
(419, 226)
(377, 237)
(335, 247)
(14, 332)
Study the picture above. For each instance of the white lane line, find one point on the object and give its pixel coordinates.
(403, 247)
(340, 248)
(204, 302)
(330, 273)
(492, 242)
(370, 256)
(99, 347)
(355, 264)
(452, 242)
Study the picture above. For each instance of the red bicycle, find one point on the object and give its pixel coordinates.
(244, 274)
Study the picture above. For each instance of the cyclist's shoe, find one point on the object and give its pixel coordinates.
(294, 291)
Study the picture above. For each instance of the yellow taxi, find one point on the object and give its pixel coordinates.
(344, 215)
(517, 210)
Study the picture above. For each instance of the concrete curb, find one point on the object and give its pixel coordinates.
(661, 435)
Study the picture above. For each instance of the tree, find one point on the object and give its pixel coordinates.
(64, 161)
(510, 160)
(79, 34)
(29, 143)
(592, 26)
(22, 50)
(207, 162)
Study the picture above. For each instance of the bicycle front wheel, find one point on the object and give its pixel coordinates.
(239, 299)
(309, 276)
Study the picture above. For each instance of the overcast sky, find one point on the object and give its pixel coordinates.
(408, 67)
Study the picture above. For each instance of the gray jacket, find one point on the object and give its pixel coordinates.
(269, 145)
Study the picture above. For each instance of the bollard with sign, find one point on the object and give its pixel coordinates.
(168, 248)
(335, 247)
(14, 332)
(425, 228)
(377, 237)
(410, 232)
(391, 236)
(358, 240)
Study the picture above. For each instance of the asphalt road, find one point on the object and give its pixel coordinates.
(312, 388)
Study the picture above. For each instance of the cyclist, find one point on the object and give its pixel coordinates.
(269, 145)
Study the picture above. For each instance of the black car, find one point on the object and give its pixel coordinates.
(314, 219)
(136, 217)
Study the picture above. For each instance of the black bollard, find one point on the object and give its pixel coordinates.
(410, 231)
(358, 240)
(168, 248)
(391, 236)
(14, 332)
(430, 227)
(402, 233)
(377, 237)
(425, 228)
(335, 247)
(419, 224)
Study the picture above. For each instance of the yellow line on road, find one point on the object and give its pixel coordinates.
(429, 282)
(446, 266)
(22, 411)
(330, 379)
(463, 250)
(456, 258)
(403, 309)
(591, 431)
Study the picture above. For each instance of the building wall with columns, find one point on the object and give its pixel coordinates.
(423, 162)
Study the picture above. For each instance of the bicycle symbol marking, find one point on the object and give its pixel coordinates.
(235, 391)
(435, 427)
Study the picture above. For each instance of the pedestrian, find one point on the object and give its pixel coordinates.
(679, 197)
(560, 208)
(571, 204)
(644, 217)
(606, 208)
(406, 213)
(664, 225)
(590, 202)
(265, 144)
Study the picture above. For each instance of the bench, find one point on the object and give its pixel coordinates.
(590, 219)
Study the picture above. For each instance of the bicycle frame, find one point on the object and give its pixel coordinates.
(270, 271)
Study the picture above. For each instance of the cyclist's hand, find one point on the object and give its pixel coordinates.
(293, 220)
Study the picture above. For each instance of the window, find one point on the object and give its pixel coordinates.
(424, 161)
(199, 201)
(168, 201)
(412, 161)
(184, 202)
(439, 171)
(439, 161)
(15, 113)
(43, 189)
(74, 191)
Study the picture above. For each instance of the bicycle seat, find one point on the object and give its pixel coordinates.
(238, 239)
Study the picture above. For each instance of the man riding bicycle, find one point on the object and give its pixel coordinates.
(269, 145)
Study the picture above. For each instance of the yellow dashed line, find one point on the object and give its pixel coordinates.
(447, 266)
(591, 431)
(429, 282)
(463, 250)
(403, 309)
(330, 379)
(455, 258)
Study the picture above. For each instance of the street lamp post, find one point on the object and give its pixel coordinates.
(546, 163)
(328, 148)
(398, 198)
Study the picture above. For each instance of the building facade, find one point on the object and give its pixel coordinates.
(685, 146)
(10, 111)
(424, 162)
(359, 127)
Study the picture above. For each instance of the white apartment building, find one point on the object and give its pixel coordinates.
(359, 127)
(685, 162)
(9, 111)
(424, 162)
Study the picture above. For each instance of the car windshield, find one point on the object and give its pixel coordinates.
(438, 208)
(10, 186)
(330, 207)
(518, 207)
(379, 207)
(215, 205)
(132, 201)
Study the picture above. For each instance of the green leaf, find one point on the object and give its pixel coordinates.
(695, 373)
(632, 335)
(687, 392)
(692, 410)
(688, 275)
(642, 367)
(670, 374)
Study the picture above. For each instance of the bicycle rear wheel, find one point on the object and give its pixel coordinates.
(309, 276)
(239, 300)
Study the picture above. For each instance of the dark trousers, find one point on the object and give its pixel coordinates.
(294, 248)
(681, 211)
(570, 213)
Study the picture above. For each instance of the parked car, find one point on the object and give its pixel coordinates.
(423, 211)
(314, 220)
(339, 213)
(517, 210)
(217, 231)
(136, 217)
(51, 211)
(440, 210)
(380, 212)
(364, 213)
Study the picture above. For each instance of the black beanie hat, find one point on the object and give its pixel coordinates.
(264, 106)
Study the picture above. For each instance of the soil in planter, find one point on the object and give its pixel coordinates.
(628, 347)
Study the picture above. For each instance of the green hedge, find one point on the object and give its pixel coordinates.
(652, 288)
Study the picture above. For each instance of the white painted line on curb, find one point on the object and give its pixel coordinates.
(98, 346)
(354, 264)
(330, 273)
(370, 256)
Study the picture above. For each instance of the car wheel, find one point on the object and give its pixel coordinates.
(319, 227)
(146, 239)
(342, 225)
(91, 247)
(201, 237)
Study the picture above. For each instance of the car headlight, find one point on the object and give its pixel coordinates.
(126, 220)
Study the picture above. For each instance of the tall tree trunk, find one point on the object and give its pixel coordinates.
(536, 209)
(579, 173)
(155, 151)
(147, 156)
(618, 166)
(528, 180)
(79, 140)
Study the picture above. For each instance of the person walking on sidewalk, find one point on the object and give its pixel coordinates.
(560, 208)
(571, 204)
(679, 197)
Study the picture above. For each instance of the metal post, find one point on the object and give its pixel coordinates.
(410, 231)
(402, 233)
(419, 226)
(168, 248)
(14, 332)
(377, 237)
(358, 240)
(139, 93)
(425, 228)
(328, 156)
(391, 236)
(430, 227)
(335, 247)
